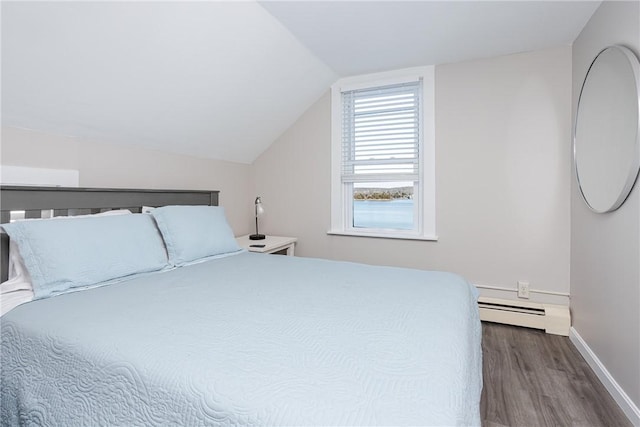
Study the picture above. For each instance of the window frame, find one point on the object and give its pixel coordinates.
(342, 197)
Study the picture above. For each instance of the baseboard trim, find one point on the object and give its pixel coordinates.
(622, 399)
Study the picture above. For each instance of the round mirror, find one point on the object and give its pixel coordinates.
(605, 144)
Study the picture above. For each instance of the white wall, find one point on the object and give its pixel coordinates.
(605, 248)
(503, 177)
(105, 165)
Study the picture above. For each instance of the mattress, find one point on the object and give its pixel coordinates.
(249, 339)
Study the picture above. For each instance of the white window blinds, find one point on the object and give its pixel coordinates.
(381, 133)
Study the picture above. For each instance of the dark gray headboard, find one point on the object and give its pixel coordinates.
(79, 201)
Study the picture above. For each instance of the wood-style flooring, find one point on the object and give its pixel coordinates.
(536, 379)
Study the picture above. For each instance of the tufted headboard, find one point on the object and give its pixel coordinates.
(64, 201)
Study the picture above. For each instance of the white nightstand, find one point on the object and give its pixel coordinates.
(271, 244)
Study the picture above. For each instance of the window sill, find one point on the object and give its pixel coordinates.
(381, 235)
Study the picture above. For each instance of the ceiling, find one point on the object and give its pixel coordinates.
(358, 37)
(223, 80)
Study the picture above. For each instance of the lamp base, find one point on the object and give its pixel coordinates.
(257, 237)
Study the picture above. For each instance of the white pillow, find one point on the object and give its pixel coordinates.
(16, 264)
(18, 289)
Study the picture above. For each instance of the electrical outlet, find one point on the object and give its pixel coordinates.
(523, 289)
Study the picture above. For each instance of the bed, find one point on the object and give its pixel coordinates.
(236, 338)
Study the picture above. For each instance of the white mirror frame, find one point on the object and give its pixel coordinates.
(607, 174)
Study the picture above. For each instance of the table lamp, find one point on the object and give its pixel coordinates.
(259, 211)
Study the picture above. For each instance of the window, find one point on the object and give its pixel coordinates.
(383, 165)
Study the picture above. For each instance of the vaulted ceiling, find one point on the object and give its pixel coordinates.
(223, 80)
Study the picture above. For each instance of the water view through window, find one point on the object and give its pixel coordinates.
(383, 205)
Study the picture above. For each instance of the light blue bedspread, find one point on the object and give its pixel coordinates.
(249, 340)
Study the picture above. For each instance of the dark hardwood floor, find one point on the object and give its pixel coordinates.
(536, 379)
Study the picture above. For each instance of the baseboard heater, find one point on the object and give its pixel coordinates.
(552, 318)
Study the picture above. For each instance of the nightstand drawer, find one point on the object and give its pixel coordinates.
(272, 245)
